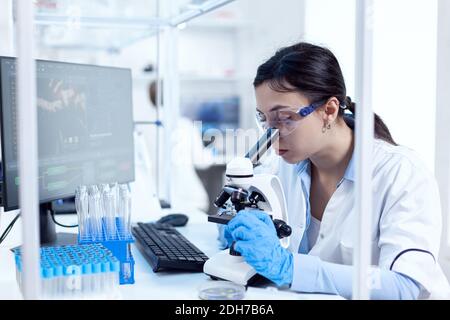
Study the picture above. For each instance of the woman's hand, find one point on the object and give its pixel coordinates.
(257, 241)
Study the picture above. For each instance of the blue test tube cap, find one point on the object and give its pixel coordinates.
(96, 267)
(115, 265)
(58, 270)
(87, 268)
(72, 270)
(106, 266)
(47, 272)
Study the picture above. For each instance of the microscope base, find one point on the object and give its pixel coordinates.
(227, 267)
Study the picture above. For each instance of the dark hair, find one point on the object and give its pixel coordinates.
(314, 72)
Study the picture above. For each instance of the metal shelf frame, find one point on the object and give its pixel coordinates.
(364, 129)
(139, 27)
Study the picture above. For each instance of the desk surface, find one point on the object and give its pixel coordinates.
(148, 285)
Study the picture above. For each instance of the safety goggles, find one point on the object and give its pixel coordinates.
(285, 120)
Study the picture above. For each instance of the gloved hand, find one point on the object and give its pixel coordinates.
(225, 237)
(257, 242)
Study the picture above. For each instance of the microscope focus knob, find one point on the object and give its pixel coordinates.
(283, 229)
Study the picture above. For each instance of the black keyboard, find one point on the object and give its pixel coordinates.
(165, 248)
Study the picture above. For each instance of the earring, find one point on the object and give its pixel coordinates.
(326, 127)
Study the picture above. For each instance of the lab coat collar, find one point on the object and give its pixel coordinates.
(350, 171)
(303, 167)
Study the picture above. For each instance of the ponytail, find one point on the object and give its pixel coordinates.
(381, 130)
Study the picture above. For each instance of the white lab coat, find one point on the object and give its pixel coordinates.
(406, 217)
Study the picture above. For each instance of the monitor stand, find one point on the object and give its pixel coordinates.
(49, 237)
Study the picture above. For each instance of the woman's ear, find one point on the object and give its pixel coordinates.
(331, 110)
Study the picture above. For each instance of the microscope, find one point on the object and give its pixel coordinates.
(246, 190)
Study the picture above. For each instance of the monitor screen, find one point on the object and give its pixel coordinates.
(85, 128)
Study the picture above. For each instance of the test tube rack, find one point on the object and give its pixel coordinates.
(120, 246)
(75, 272)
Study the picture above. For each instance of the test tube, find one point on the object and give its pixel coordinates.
(114, 187)
(104, 191)
(95, 213)
(84, 206)
(110, 214)
(103, 188)
(81, 205)
(125, 209)
(115, 191)
(78, 210)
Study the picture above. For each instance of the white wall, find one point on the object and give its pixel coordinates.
(271, 25)
(331, 23)
(405, 71)
(404, 81)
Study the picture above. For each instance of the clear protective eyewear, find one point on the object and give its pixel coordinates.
(285, 120)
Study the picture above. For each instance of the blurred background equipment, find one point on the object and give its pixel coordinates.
(186, 142)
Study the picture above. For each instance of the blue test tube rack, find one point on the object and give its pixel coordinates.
(74, 271)
(119, 245)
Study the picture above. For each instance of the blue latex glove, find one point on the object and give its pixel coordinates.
(225, 237)
(257, 241)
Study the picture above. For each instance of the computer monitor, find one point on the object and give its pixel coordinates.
(85, 131)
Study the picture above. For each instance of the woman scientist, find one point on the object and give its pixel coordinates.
(301, 91)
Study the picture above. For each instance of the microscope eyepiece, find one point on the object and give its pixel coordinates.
(263, 145)
(221, 199)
